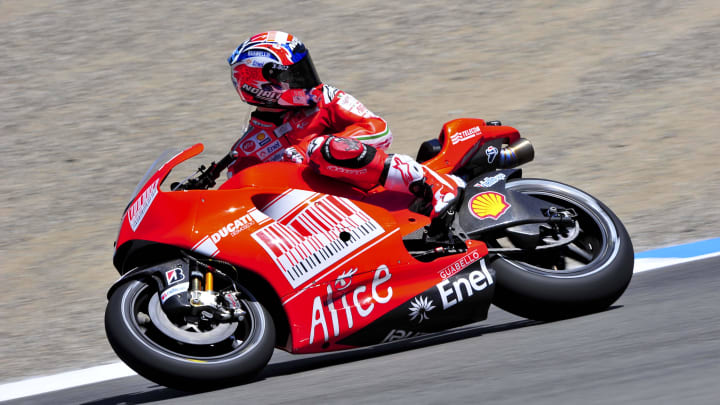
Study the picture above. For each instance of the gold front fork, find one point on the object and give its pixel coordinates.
(209, 281)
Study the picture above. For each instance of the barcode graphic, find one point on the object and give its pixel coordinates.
(308, 242)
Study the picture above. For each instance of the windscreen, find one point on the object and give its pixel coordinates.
(164, 157)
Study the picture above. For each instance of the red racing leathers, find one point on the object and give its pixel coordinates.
(340, 138)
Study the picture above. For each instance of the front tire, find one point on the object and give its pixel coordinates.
(542, 286)
(192, 365)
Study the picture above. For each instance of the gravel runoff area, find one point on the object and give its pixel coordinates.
(620, 98)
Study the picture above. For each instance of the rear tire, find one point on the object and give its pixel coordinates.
(534, 291)
(182, 365)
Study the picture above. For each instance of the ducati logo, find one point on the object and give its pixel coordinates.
(174, 275)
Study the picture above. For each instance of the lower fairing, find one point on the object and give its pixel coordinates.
(461, 298)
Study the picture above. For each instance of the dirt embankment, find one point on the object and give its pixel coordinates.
(620, 98)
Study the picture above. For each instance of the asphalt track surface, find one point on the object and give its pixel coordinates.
(660, 343)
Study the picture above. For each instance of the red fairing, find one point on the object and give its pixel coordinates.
(334, 256)
(359, 292)
(461, 138)
(304, 178)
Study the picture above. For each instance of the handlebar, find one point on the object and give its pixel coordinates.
(213, 172)
(207, 176)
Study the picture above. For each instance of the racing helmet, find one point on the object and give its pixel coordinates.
(273, 69)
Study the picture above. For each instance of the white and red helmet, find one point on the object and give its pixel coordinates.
(273, 69)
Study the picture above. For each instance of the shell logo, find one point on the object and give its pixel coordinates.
(488, 205)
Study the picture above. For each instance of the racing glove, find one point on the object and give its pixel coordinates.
(291, 154)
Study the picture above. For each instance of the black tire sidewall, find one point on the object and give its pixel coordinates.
(174, 370)
(544, 296)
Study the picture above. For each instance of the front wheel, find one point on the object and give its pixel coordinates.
(185, 355)
(581, 277)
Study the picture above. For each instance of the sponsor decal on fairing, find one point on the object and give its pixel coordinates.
(464, 286)
(140, 207)
(305, 239)
(460, 264)
(208, 244)
(174, 275)
(488, 205)
(345, 279)
(419, 308)
(173, 291)
(363, 303)
(490, 181)
(399, 334)
(491, 152)
(463, 297)
(462, 136)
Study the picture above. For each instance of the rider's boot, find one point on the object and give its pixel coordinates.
(437, 192)
(444, 190)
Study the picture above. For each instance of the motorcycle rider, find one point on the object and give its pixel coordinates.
(322, 126)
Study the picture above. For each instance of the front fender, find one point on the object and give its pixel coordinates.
(166, 274)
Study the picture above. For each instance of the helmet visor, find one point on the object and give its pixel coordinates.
(299, 75)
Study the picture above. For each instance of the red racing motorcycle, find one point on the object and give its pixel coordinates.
(212, 280)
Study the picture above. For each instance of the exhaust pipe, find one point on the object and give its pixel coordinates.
(515, 154)
(491, 157)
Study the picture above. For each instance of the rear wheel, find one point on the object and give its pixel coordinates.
(185, 355)
(576, 278)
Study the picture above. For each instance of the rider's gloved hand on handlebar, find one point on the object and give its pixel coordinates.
(291, 154)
